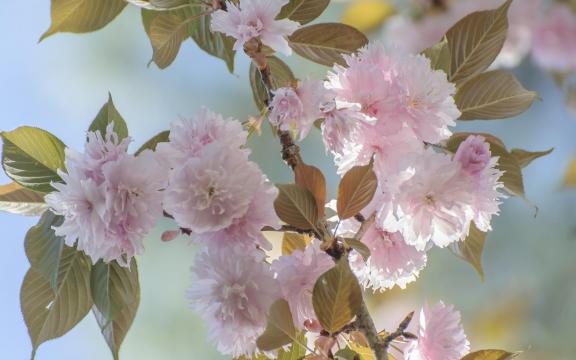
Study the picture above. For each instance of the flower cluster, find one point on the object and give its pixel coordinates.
(394, 109)
(109, 199)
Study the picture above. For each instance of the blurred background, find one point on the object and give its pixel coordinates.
(527, 301)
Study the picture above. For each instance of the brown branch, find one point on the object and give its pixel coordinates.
(400, 331)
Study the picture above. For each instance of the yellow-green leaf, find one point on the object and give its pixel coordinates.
(367, 15)
(81, 16)
(326, 43)
(493, 95)
(296, 206)
(491, 355)
(44, 249)
(50, 313)
(359, 246)
(160, 4)
(356, 190)
(525, 157)
(336, 297)
(151, 144)
(280, 329)
(213, 43)
(303, 11)
(439, 55)
(18, 200)
(167, 32)
(294, 241)
(31, 157)
(471, 249)
(296, 351)
(475, 41)
(281, 76)
(570, 176)
(116, 294)
(312, 179)
(107, 115)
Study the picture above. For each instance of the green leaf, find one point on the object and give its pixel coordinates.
(296, 206)
(280, 329)
(44, 249)
(151, 144)
(493, 95)
(116, 293)
(439, 55)
(31, 156)
(356, 190)
(160, 4)
(296, 351)
(50, 313)
(82, 16)
(491, 355)
(281, 76)
(471, 249)
(175, 26)
(107, 115)
(475, 41)
(336, 297)
(525, 157)
(294, 241)
(303, 11)
(167, 32)
(326, 43)
(18, 200)
(213, 43)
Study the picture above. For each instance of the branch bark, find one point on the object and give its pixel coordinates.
(291, 155)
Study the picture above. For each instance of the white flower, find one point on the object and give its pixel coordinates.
(255, 19)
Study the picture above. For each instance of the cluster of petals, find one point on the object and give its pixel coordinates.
(109, 199)
(554, 46)
(440, 335)
(415, 35)
(224, 200)
(233, 294)
(297, 273)
(255, 19)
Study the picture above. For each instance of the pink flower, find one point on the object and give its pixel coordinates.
(341, 126)
(233, 294)
(297, 274)
(208, 193)
(440, 335)
(245, 231)
(426, 102)
(554, 46)
(473, 154)
(392, 261)
(109, 221)
(82, 203)
(133, 205)
(255, 19)
(99, 150)
(433, 205)
(188, 138)
(297, 109)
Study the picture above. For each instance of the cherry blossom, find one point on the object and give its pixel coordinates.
(255, 19)
(440, 335)
(297, 274)
(554, 47)
(208, 193)
(233, 294)
(188, 138)
(297, 108)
